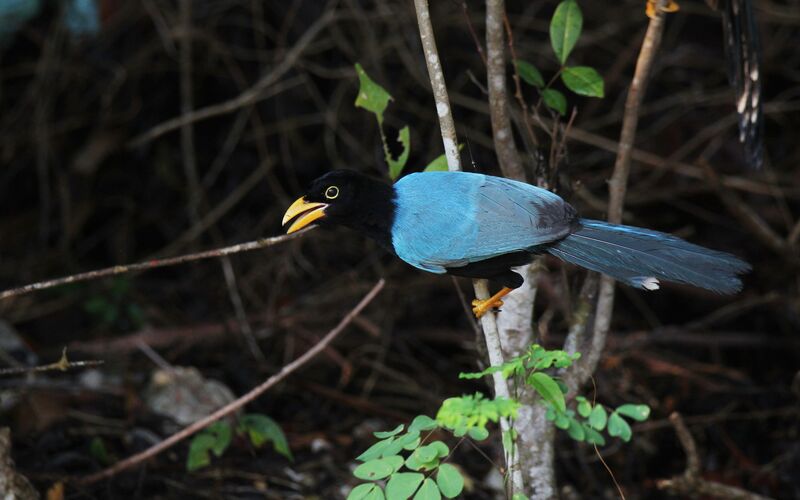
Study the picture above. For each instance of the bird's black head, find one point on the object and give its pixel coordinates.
(346, 198)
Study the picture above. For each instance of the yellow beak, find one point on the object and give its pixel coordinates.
(307, 211)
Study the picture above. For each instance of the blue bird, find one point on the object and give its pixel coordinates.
(480, 226)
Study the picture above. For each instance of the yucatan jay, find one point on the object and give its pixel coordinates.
(480, 226)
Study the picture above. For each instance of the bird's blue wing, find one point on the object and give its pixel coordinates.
(450, 219)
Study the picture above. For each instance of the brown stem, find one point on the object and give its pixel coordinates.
(240, 402)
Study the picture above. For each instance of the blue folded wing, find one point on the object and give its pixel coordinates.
(450, 219)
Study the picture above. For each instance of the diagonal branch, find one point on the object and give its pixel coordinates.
(242, 401)
(150, 264)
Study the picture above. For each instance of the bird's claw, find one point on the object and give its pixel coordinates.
(481, 307)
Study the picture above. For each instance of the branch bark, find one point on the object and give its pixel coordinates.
(591, 353)
(450, 140)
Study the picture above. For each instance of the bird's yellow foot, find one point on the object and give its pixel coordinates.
(672, 6)
(482, 306)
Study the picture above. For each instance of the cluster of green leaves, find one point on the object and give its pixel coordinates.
(375, 99)
(403, 464)
(216, 438)
(115, 307)
(588, 420)
(565, 28)
(529, 366)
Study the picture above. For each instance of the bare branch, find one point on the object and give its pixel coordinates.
(63, 364)
(240, 402)
(691, 484)
(587, 364)
(506, 150)
(151, 264)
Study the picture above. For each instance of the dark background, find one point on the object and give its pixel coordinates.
(78, 191)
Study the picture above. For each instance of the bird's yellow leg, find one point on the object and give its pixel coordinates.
(672, 6)
(481, 307)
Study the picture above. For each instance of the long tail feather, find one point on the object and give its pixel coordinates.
(640, 257)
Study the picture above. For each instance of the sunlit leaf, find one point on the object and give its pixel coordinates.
(449, 480)
(618, 427)
(636, 412)
(374, 469)
(548, 389)
(371, 96)
(403, 484)
(369, 491)
(583, 80)
(598, 418)
(428, 491)
(565, 28)
(387, 434)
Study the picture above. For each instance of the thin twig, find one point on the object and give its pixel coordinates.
(240, 402)
(690, 483)
(587, 364)
(63, 364)
(255, 93)
(151, 264)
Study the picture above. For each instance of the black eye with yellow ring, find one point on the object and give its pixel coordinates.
(332, 192)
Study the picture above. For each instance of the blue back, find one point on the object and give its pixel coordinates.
(450, 219)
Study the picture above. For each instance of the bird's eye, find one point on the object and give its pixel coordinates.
(332, 192)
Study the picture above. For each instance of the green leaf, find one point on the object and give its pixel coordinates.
(450, 481)
(387, 434)
(548, 389)
(584, 407)
(97, 449)
(396, 164)
(427, 453)
(508, 439)
(565, 28)
(618, 427)
(422, 423)
(439, 164)
(428, 491)
(575, 430)
(519, 496)
(375, 451)
(403, 484)
(442, 450)
(555, 100)
(395, 461)
(462, 413)
(598, 418)
(583, 80)
(636, 412)
(529, 73)
(371, 96)
(400, 443)
(592, 436)
(374, 469)
(199, 452)
(562, 421)
(368, 491)
(424, 458)
(222, 433)
(478, 433)
(262, 429)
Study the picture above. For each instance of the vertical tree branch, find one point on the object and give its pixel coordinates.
(488, 321)
(504, 146)
(586, 365)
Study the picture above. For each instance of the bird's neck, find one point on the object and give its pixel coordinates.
(377, 213)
